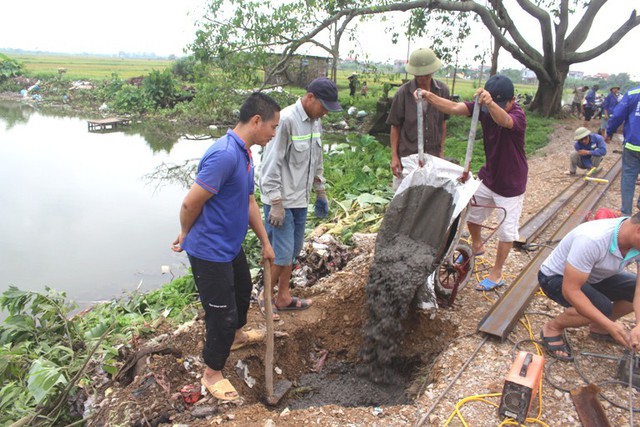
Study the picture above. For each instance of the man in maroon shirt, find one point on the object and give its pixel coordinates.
(504, 175)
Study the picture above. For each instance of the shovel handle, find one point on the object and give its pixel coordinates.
(471, 139)
(268, 360)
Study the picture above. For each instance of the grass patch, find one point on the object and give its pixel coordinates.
(88, 67)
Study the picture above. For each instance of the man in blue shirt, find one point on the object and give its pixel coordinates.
(590, 105)
(213, 223)
(590, 148)
(608, 106)
(628, 111)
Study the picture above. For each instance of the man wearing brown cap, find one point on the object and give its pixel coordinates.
(292, 166)
(403, 116)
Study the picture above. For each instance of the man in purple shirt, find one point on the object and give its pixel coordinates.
(504, 175)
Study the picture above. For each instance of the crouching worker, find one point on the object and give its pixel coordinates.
(586, 273)
(590, 148)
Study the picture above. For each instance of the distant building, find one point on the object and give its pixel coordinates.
(529, 77)
(578, 75)
(300, 70)
(398, 65)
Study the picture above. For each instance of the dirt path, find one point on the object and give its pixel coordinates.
(328, 336)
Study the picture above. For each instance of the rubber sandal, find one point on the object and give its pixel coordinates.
(220, 390)
(253, 336)
(263, 310)
(489, 285)
(552, 348)
(293, 305)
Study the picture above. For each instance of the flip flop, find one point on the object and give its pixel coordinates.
(552, 348)
(489, 285)
(293, 305)
(253, 336)
(220, 390)
(263, 310)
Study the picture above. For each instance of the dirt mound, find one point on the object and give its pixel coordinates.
(316, 349)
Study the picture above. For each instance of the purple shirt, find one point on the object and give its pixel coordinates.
(505, 171)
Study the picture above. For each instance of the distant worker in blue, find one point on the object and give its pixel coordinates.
(609, 104)
(590, 105)
(628, 112)
(590, 148)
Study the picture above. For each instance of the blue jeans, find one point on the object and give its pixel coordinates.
(288, 239)
(630, 170)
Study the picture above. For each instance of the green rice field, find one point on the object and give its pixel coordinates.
(88, 67)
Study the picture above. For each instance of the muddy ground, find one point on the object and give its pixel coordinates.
(317, 350)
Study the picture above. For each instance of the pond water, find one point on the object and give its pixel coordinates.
(77, 214)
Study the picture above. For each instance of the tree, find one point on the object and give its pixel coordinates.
(560, 47)
(261, 36)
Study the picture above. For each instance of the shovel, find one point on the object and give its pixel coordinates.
(273, 396)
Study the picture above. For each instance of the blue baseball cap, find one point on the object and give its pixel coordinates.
(327, 92)
(501, 89)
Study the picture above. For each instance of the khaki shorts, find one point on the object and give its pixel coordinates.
(508, 231)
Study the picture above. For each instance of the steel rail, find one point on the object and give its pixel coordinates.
(505, 312)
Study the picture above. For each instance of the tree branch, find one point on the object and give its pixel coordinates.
(631, 23)
(581, 31)
(547, 35)
(561, 29)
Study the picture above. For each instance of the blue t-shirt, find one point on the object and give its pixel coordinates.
(226, 171)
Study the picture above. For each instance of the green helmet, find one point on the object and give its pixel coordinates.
(423, 62)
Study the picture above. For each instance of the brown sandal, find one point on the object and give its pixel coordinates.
(221, 390)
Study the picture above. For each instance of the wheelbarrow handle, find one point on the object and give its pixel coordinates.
(471, 140)
(420, 129)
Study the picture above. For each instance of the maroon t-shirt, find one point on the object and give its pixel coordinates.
(505, 171)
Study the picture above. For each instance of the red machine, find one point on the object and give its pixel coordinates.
(521, 386)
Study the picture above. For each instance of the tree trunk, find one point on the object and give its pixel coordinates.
(548, 98)
(494, 57)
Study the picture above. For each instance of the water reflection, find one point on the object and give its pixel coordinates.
(77, 214)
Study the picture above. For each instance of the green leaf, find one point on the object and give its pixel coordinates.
(44, 375)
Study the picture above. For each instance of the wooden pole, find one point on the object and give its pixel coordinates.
(268, 360)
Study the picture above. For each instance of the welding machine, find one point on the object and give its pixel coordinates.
(521, 386)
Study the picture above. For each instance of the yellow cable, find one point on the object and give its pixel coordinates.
(481, 397)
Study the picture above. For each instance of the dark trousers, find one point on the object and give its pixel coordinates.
(225, 292)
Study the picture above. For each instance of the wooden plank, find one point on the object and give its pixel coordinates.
(504, 314)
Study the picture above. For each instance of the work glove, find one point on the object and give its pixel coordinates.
(276, 214)
(321, 207)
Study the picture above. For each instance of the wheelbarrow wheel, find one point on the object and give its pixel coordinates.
(454, 272)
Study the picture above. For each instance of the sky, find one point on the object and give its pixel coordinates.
(166, 28)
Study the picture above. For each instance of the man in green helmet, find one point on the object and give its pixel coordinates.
(403, 116)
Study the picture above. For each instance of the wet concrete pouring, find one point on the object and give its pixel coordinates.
(361, 344)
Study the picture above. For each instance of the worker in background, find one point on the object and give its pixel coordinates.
(590, 105)
(589, 147)
(609, 104)
(504, 175)
(403, 116)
